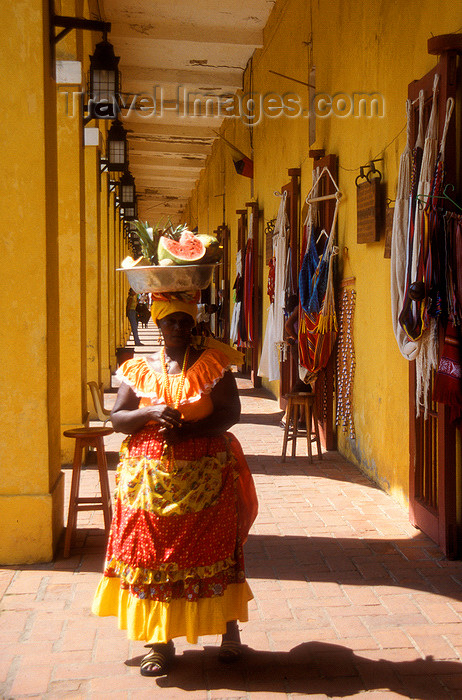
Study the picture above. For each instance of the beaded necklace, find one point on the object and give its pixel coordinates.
(168, 449)
(175, 403)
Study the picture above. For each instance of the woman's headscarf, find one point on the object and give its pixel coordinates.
(165, 304)
(186, 302)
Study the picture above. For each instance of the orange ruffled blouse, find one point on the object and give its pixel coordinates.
(200, 378)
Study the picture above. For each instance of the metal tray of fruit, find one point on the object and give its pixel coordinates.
(169, 278)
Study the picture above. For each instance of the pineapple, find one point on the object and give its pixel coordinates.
(149, 237)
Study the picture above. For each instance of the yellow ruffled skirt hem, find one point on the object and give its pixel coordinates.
(154, 621)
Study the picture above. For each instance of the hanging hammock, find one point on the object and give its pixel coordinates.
(318, 333)
(414, 318)
(317, 316)
(434, 221)
(407, 347)
(406, 314)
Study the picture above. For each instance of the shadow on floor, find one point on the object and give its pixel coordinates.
(332, 466)
(263, 419)
(258, 394)
(312, 668)
(401, 563)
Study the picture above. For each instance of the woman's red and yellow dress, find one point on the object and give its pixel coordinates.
(174, 564)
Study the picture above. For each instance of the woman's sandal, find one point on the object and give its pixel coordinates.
(157, 660)
(230, 652)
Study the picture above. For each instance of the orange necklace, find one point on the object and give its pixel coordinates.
(168, 451)
(168, 394)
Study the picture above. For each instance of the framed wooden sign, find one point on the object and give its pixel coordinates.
(368, 203)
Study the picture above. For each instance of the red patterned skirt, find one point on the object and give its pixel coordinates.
(174, 564)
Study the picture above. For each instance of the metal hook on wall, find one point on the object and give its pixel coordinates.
(373, 171)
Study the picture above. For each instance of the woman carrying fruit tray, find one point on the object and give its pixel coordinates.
(185, 498)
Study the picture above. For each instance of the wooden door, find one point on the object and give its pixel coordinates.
(432, 470)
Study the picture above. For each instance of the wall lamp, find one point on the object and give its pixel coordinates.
(127, 189)
(116, 149)
(130, 212)
(104, 75)
(104, 83)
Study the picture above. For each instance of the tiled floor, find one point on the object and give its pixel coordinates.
(350, 600)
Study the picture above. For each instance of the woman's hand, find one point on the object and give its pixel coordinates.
(167, 416)
(127, 417)
(226, 412)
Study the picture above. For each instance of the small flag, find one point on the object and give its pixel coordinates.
(243, 166)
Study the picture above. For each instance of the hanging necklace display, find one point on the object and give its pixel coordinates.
(346, 359)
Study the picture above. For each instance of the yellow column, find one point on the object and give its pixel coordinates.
(93, 257)
(113, 335)
(118, 281)
(71, 190)
(123, 290)
(104, 273)
(31, 487)
(72, 253)
(115, 280)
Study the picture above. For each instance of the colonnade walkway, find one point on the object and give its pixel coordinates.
(350, 600)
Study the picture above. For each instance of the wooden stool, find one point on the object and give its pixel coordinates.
(88, 437)
(307, 400)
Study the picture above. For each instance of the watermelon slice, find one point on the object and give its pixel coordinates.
(187, 250)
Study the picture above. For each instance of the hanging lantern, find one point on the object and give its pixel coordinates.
(127, 189)
(104, 82)
(130, 212)
(117, 149)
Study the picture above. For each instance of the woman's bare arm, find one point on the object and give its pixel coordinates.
(127, 417)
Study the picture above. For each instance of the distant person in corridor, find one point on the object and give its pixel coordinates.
(130, 310)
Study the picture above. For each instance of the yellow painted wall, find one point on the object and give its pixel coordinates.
(361, 47)
(31, 485)
(93, 266)
(72, 262)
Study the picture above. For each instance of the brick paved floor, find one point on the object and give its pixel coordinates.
(350, 600)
